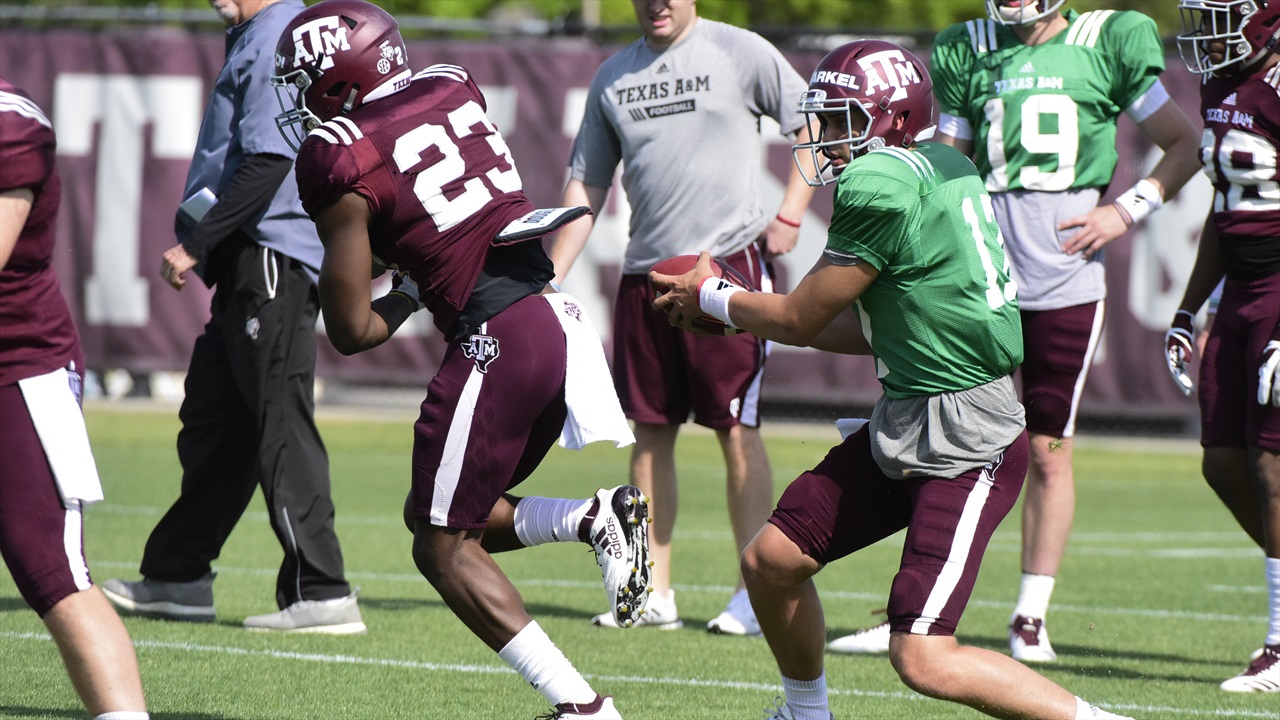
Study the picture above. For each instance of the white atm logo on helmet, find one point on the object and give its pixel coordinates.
(889, 69)
(319, 39)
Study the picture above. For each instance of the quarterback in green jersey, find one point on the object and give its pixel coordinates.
(913, 274)
(1032, 93)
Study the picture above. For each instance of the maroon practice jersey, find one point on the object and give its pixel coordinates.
(438, 177)
(1238, 150)
(37, 334)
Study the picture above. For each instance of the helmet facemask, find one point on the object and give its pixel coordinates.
(815, 106)
(1002, 12)
(295, 120)
(1208, 21)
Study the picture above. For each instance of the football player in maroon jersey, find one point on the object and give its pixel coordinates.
(1233, 44)
(407, 171)
(48, 473)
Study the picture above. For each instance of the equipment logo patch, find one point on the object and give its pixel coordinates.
(481, 348)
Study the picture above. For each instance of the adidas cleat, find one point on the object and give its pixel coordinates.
(617, 527)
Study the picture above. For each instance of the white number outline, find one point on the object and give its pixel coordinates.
(997, 295)
(1217, 158)
(1065, 143)
(429, 184)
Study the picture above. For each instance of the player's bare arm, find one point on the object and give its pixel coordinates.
(15, 206)
(352, 322)
(798, 318)
(573, 237)
(783, 232)
(1171, 130)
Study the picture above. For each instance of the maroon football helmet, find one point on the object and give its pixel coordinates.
(332, 58)
(1244, 31)
(878, 80)
(1021, 12)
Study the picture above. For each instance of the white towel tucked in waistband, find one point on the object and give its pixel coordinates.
(56, 414)
(594, 411)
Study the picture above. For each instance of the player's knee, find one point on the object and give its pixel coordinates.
(409, 520)
(918, 664)
(764, 564)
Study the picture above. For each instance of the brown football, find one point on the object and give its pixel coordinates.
(682, 264)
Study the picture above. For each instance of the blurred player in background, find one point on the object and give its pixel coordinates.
(1234, 44)
(1032, 94)
(649, 108)
(407, 171)
(913, 264)
(48, 474)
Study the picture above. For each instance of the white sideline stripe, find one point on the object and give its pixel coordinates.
(635, 679)
(1236, 537)
(827, 594)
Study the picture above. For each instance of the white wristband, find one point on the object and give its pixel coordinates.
(713, 298)
(1139, 201)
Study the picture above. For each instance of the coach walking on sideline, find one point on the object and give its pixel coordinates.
(48, 473)
(680, 109)
(248, 414)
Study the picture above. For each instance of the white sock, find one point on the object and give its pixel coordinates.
(1085, 711)
(807, 698)
(1033, 599)
(123, 715)
(1273, 600)
(541, 520)
(532, 654)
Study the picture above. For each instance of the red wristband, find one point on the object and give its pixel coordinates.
(784, 221)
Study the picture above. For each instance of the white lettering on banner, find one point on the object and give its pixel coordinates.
(121, 107)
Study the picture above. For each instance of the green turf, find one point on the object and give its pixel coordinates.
(1160, 598)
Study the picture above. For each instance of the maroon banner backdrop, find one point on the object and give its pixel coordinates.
(127, 103)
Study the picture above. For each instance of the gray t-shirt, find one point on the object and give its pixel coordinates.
(685, 123)
(1047, 277)
(240, 120)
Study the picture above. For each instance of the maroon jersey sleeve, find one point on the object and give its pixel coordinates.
(26, 141)
(325, 173)
(37, 334)
(438, 177)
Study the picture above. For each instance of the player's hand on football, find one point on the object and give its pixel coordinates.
(679, 293)
(1268, 385)
(174, 266)
(1179, 349)
(1097, 228)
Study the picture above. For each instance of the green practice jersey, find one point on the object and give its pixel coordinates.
(1044, 116)
(942, 315)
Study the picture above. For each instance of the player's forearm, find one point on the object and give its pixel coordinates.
(798, 195)
(1206, 272)
(570, 241)
(1171, 130)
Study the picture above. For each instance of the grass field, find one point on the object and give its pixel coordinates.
(1160, 598)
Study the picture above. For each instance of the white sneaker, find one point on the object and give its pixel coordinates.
(738, 618)
(1029, 640)
(1262, 675)
(599, 709)
(782, 711)
(617, 527)
(337, 616)
(867, 641)
(660, 614)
